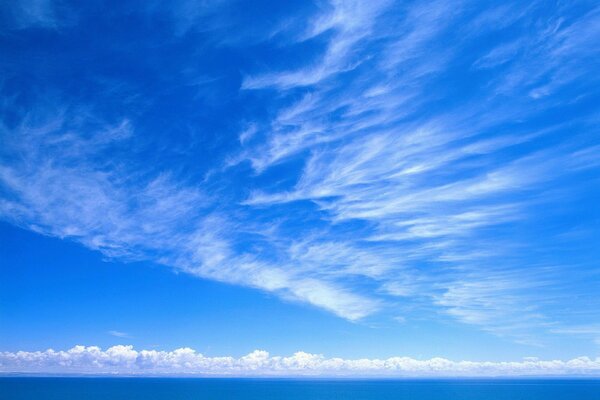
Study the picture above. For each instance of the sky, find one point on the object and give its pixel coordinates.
(232, 187)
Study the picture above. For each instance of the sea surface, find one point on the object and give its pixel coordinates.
(21, 388)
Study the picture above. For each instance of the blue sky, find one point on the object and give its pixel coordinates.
(353, 179)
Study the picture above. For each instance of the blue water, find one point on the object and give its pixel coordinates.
(264, 389)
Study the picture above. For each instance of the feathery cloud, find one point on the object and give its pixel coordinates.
(414, 155)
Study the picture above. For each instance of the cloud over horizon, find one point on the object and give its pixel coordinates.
(125, 360)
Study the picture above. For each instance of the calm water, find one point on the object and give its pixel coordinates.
(255, 389)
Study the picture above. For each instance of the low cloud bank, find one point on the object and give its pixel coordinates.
(185, 361)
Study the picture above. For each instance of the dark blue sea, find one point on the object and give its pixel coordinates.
(263, 389)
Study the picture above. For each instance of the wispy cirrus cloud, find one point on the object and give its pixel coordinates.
(65, 183)
(46, 14)
(119, 334)
(351, 22)
(414, 157)
(434, 185)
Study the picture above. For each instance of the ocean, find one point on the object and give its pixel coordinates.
(22, 388)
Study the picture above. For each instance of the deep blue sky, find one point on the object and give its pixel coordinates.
(355, 179)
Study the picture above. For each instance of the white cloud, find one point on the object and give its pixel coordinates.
(430, 188)
(499, 55)
(398, 191)
(352, 22)
(119, 334)
(34, 13)
(125, 360)
(63, 186)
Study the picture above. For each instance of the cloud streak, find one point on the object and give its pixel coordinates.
(414, 157)
(82, 195)
(439, 188)
(119, 334)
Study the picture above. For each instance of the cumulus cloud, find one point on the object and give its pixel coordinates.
(126, 360)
